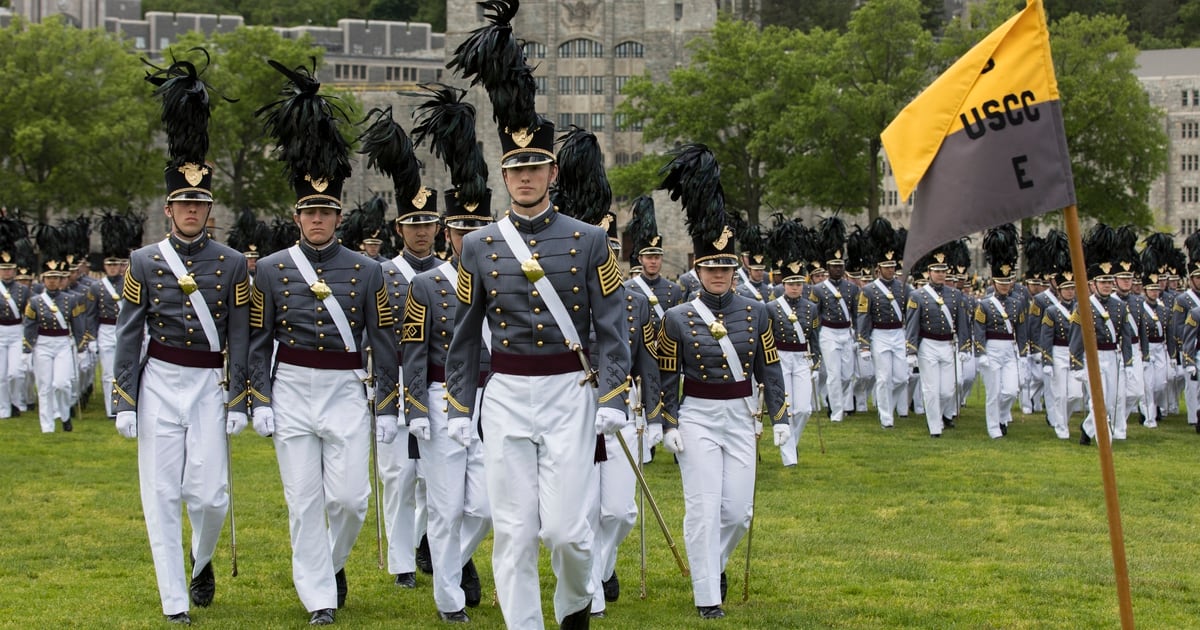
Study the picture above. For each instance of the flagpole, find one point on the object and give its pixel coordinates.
(1091, 353)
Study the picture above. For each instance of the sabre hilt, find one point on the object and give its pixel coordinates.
(591, 375)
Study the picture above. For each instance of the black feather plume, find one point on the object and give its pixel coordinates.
(185, 109)
(582, 190)
(693, 178)
(831, 237)
(493, 56)
(1000, 245)
(1056, 252)
(786, 244)
(389, 151)
(860, 252)
(1158, 252)
(1099, 244)
(306, 128)
(449, 124)
(643, 225)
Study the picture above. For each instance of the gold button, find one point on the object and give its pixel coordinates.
(504, 343)
(539, 343)
(540, 326)
(284, 280)
(537, 309)
(495, 274)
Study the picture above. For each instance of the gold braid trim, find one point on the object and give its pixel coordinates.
(120, 392)
(385, 309)
(779, 415)
(770, 353)
(241, 293)
(256, 308)
(609, 275)
(413, 328)
(622, 388)
(465, 285)
(416, 403)
(237, 400)
(380, 404)
(657, 410)
(454, 403)
(667, 352)
(132, 291)
(257, 395)
(669, 420)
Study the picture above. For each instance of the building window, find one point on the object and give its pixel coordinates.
(534, 50)
(1189, 162)
(626, 50)
(564, 121)
(542, 84)
(581, 85)
(580, 48)
(619, 122)
(164, 43)
(597, 122)
(139, 42)
(1185, 98)
(1190, 225)
(621, 81)
(1189, 130)
(1189, 194)
(1195, 98)
(581, 121)
(597, 85)
(622, 158)
(564, 85)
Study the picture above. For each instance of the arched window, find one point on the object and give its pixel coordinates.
(629, 50)
(580, 49)
(534, 50)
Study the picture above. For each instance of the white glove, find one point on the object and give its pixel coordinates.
(757, 428)
(983, 361)
(1191, 371)
(27, 362)
(783, 433)
(1047, 369)
(1036, 358)
(235, 421)
(386, 428)
(672, 442)
(865, 354)
(461, 431)
(609, 420)
(264, 421)
(127, 423)
(816, 373)
(654, 434)
(911, 359)
(419, 428)
(1129, 374)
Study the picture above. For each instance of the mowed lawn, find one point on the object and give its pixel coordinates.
(885, 529)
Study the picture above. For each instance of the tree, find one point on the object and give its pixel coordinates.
(247, 174)
(78, 124)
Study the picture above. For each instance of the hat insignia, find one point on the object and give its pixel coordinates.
(319, 184)
(253, 247)
(6, 257)
(1105, 267)
(1068, 275)
(890, 255)
(421, 198)
(606, 221)
(522, 137)
(1126, 265)
(794, 267)
(470, 207)
(1153, 278)
(70, 258)
(723, 240)
(654, 241)
(1005, 269)
(52, 265)
(940, 257)
(837, 254)
(193, 173)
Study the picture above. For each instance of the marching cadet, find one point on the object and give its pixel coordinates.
(119, 235)
(713, 426)
(1110, 318)
(320, 304)
(542, 281)
(933, 318)
(958, 278)
(1175, 265)
(1154, 321)
(451, 457)
(1000, 330)
(1064, 391)
(835, 296)
(881, 324)
(190, 296)
(797, 328)
(1127, 267)
(756, 282)
(13, 298)
(648, 243)
(251, 237)
(53, 329)
(690, 284)
(363, 229)
(860, 260)
(416, 224)
(1185, 301)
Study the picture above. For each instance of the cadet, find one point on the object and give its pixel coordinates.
(320, 304)
(119, 235)
(13, 298)
(835, 297)
(1112, 342)
(932, 319)
(1127, 266)
(713, 427)
(191, 296)
(1000, 330)
(647, 242)
(54, 323)
(881, 324)
(451, 454)
(797, 328)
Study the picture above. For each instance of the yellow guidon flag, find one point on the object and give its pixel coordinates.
(984, 144)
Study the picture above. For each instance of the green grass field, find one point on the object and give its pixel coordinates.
(886, 529)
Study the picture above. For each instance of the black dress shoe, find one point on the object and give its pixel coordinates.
(1003, 429)
(323, 617)
(612, 588)
(1084, 439)
(935, 435)
(458, 616)
(406, 580)
(16, 411)
(67, 426)
(1141, 418)
(340, 579)
(710, 612)
(470, 584)
(577, 620)
(599, 614)
(181, 618)
(203, 586)
(424, 559)
(949, 422)
(724, 587)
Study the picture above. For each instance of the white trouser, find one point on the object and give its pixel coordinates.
(1155, 383)
(182, 457)
(613, 510)
(717, 466)
(864, 381)
(399, 475)
(1178, 380)
(1033, 372)
(838, 353)
(459, 515)
(1063, 391)
(1000, 382)
(54, 366)
(798, 386)
(1111, 379)
(968, 371)
(891, 373)
(12, 368)
(539, 452)
(106, 342)
(914, 392)
(323, 445)
(1134, 386)
(1191, 398)
(936, 361)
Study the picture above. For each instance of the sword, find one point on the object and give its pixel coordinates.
(816, 401)
(369, 381)
(753, 499)
(637, 409)
(229, 468)
(591, 376)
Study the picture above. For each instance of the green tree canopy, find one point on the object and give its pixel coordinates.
(78, 121)
(247, 174)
